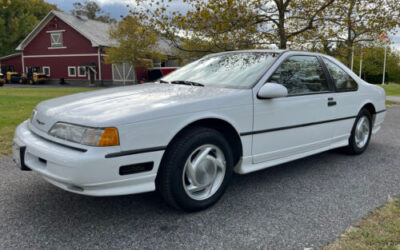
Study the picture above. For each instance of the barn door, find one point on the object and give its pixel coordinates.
(124, 73)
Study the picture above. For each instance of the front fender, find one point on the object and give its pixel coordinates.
(159, 132)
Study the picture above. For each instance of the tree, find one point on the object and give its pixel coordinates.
(94, 12)
(17, 19)
(352, 22)
(373, 64)
(137, 43)
(220, 25)
(287, 20)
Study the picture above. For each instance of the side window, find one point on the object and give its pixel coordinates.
(72, 71)
(301, 75)
(343, 82)
(46, 70)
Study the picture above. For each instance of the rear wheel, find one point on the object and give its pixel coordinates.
(196, 169)
(361, 133)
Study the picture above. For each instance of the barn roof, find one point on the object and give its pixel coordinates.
(95, 31)
(10, 56)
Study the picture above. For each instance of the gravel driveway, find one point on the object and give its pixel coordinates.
(302, 204)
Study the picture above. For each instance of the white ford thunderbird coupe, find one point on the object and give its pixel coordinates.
(185, 134)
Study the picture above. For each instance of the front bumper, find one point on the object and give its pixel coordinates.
(87, 173)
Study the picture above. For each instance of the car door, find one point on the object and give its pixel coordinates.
(296, 124)
(347, 101)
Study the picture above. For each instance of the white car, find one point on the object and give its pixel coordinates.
(185, 134)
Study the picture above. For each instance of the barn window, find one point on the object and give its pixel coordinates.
(46, 70)
(56, 39)
(72, 71)
(81, 71)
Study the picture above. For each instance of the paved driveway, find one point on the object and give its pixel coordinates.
(306, 203)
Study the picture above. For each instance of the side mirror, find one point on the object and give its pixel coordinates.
(272, 90)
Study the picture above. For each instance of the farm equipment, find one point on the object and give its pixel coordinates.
(2, 79)
(33, 76)
(13, 77)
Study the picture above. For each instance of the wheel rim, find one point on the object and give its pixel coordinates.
(204, 172)
(362, 132)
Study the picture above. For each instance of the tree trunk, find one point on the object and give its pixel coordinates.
(349, 53)
(283, 42)
(349, 41)
(281, 28)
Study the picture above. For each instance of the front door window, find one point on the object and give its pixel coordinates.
(301, 75)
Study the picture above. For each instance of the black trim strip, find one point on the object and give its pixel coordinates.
(136, 168)
(60, 144)
(382, 111)
(295, 126)
(136, 151)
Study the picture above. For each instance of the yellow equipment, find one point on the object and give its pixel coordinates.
(33, 76)
(2, 79)
(12, 77)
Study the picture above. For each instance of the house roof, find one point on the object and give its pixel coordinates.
(10, 56)
(95, 31)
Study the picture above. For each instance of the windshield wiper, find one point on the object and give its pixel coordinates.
(188, 83)
(163, 81)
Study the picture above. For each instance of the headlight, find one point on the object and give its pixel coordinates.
(84, 135)
(32, 115)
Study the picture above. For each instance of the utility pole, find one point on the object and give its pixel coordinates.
(361, 61)
(384, 66)
(352, 58)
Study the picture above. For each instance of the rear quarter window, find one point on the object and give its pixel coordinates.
(342, 80)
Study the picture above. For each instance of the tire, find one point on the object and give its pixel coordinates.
(357, 145)
(174, 182)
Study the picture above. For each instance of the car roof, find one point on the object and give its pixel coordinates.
(277, 51)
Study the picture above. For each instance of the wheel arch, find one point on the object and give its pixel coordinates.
(222, 126)
(370, 107)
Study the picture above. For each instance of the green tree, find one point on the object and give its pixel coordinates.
(137, 43)
(220, 25)
(352, 22)
(94, 12)
(372, 64)
(17, 19)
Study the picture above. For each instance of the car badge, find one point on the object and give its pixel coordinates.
(40, 122)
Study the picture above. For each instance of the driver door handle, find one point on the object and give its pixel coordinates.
(331, 102)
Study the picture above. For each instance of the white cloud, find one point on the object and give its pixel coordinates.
(177, 5)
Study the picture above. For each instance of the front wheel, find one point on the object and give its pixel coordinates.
(196, 170)
(361, 133)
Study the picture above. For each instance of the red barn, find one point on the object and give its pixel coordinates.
(71, 47)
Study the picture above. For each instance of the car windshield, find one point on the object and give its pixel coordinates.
(236, 70)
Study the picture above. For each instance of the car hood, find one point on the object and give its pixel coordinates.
(123, 105)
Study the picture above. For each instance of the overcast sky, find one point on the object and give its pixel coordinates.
(115, 7)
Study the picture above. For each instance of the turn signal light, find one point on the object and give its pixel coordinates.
(109, 137)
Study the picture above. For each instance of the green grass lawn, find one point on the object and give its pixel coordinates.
(379, 230)
(391, 89)
(390, 102)
(16, 105)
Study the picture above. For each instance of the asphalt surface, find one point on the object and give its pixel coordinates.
(393, 98)
(302, 204)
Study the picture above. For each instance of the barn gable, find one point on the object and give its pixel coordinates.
(57, 37)
(94, 31)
